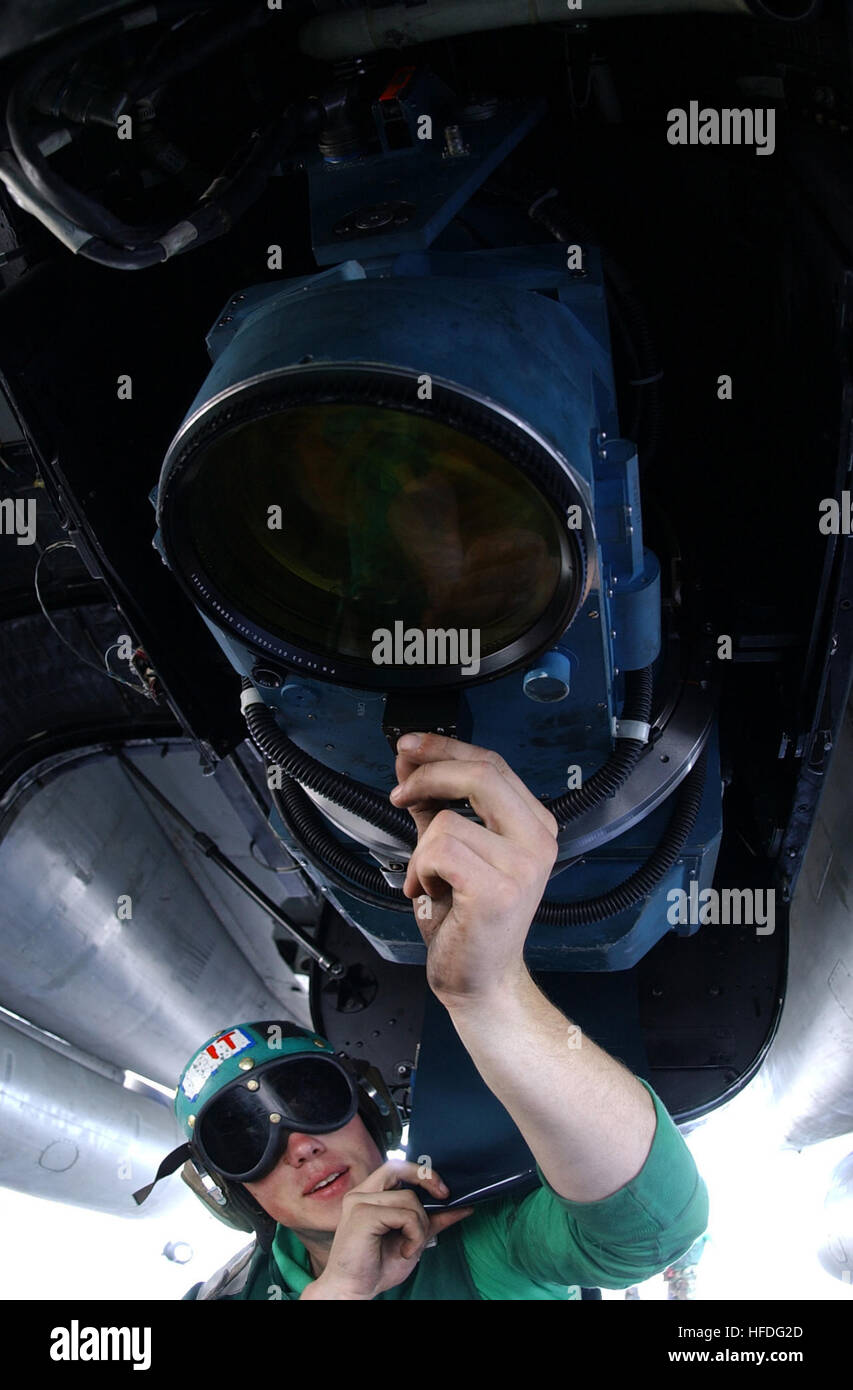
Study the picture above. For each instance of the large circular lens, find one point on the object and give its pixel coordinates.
(310, 525)
(384, 516)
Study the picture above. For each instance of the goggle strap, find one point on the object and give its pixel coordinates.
(172, 1161)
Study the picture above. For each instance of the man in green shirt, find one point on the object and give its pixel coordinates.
(619, 1198)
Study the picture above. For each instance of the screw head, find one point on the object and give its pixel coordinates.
(252, 1085)
(275, 1118)
(246, 1063)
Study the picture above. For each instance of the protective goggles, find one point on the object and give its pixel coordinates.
(243, 1130)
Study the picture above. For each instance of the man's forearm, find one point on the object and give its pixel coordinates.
(587, 1120)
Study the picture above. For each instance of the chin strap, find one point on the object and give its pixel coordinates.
(170, 1163)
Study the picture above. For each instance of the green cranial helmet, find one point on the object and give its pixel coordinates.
(224, 1058)
(247, 1088)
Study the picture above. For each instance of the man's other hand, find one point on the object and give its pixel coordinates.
(382, 1233)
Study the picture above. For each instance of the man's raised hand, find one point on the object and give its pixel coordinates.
(485, 881)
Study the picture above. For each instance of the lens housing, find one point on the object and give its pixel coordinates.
(438, 514)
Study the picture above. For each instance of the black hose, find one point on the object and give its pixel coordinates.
(371, 806)
(640, 884)
(115, 243)
(622, 761)
(344, 791)
(217, 216)
(121, 257)
(342, 867)
(328, 856)
(74, 205)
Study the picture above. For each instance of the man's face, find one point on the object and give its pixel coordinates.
(289, 1193)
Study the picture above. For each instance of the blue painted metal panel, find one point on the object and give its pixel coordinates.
(438, 186)
(519, 330)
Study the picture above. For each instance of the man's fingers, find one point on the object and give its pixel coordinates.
(437, 854)
(381, 1218)
(495, 850)
(442, 863)
(436, 748)
(415, 1227)
(492, 796)
(439, 1221)
(398, 1170)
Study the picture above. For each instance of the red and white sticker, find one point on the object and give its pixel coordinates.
(211, 1058)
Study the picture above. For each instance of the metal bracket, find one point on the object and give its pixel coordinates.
(393, 870)
(631, 728)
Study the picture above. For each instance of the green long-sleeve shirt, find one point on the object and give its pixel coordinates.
(539, 1246)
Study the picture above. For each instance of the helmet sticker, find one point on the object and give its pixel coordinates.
(211, 1058)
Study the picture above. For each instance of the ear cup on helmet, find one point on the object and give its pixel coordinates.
(241, 1211)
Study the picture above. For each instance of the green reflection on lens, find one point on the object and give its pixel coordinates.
(385, 516)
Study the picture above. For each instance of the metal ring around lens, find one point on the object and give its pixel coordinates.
(385, 387)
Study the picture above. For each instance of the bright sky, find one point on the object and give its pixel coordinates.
(767, 1218)
(767, 1222)
(53, 1251)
